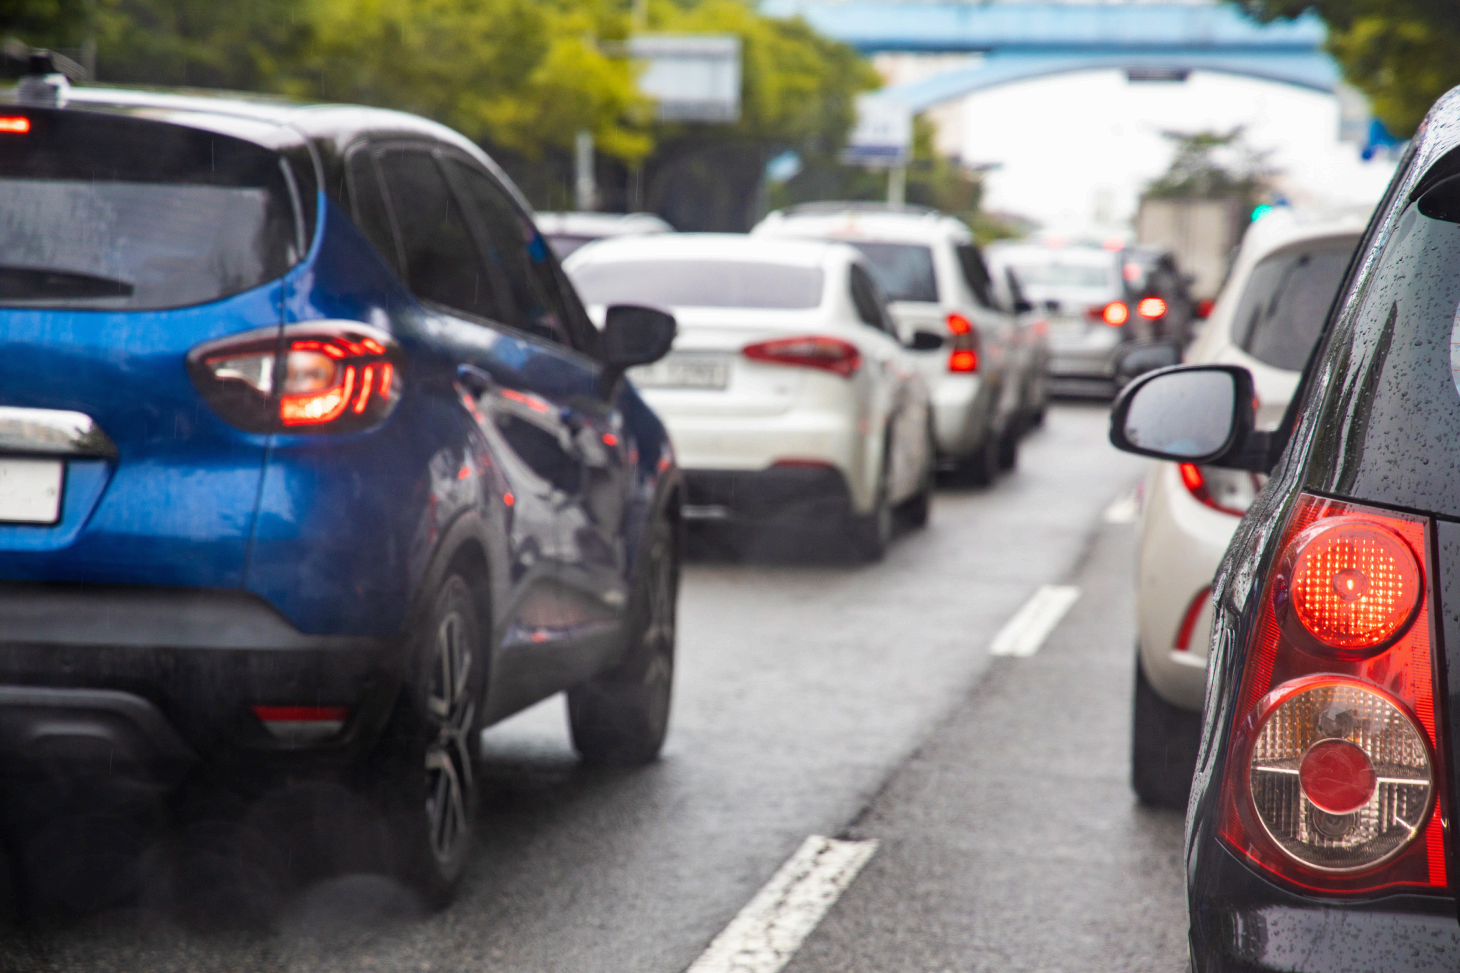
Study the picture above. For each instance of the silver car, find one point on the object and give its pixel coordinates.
(981, 355)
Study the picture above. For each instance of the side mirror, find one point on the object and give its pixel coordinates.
(925, 341)
(633, 335)
(1192, 414)
(1139, 359)
(1204, 307)
(1022, 306)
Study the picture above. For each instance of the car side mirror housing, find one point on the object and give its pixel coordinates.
(1022, 306)
(1200, 414)
(925, 341)
(633, 335)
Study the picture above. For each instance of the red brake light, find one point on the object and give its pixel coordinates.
(1230, 496)
(14, 124)
(1114, 314)
(1204, 307)
(1189, 620)
(810, 351)
(964, 356)
(318, 376)
(1331, 781)
(1151, 308)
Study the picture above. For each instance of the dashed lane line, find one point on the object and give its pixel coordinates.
(1023, 634)
(1124, 509)
(774, 924)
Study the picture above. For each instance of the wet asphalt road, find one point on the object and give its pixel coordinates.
(813, 697)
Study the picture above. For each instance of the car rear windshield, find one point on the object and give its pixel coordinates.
(116, 213)
(1287, 299)
(700, 283)
(904, 270)
(1055, 274)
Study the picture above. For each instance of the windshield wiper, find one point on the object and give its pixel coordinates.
(43, 284)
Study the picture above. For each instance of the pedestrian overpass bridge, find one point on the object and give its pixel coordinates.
(1020, 41)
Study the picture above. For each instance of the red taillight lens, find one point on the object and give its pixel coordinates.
(1114, 314)
(964, 356)
(14, 124)
(319, 376)
(1151, 308)
(811, 351)
(1331, 781)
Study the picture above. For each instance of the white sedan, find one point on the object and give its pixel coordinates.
(787, 392)
(1267, 319)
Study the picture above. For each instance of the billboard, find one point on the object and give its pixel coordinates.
(692, 77)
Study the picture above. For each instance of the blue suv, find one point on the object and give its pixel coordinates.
(311, 461)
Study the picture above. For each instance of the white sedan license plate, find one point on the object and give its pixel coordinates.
(683, 372)
(30, 491)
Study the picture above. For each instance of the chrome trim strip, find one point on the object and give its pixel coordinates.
(52, 432)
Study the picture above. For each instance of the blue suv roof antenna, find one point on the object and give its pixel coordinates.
(43, 85)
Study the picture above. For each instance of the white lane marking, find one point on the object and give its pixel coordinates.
(1124, 509)
(1023, 634)
(772, 926)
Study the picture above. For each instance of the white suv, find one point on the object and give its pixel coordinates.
(1267, 319)
(983, 359)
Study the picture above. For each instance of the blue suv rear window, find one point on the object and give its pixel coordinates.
(119, 213)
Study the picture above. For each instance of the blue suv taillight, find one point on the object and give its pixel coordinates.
(318, 376)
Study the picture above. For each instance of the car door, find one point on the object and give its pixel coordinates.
(517, 379)
(1007, 344)
(593, 563)
(905, 420)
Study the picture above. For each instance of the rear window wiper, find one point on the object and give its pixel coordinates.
(43, 284)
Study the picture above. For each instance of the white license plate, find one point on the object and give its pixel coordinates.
(30, 491)
(683, 372)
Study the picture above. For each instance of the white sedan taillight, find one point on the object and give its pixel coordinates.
(808, 351)
(1331, 780)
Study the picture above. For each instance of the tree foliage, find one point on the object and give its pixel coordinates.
(1401, 53)
(1212, 165)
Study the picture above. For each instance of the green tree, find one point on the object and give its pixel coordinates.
(1212, 165)
(1401, 53)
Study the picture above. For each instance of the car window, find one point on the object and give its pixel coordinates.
(1286, 301)
(976, 273)
(367, 206)
(125, 214)
(904, 270)
(517, 249)
(701, 283)
(866, 299)
(441, 260)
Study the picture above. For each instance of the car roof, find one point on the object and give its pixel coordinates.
(1282, 228)
(1038, 253)
(601, 224)
(713, 246)
(864, 221)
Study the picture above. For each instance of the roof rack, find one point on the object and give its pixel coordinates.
(859, 206)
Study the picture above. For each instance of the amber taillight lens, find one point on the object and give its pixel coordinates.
(1332, 783)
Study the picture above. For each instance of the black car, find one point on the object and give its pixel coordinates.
(1319, 832)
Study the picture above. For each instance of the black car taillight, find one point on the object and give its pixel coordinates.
(317, 376)
(1332, 781)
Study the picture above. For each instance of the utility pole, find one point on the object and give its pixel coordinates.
(897, 185)
(585, 190)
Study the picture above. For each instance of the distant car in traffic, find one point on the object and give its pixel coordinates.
(1267, 319)
(787, 392)
(1154, 279)
(1095, 322)
(982, 357)
(312, 464)
(1320, 828)
(566, 232)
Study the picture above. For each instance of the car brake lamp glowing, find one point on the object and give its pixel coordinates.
(318, 376)
(1331, 781)
(14, 124)
(1114, 314)
(1151, 308)
(811, 351)
(963, 358)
